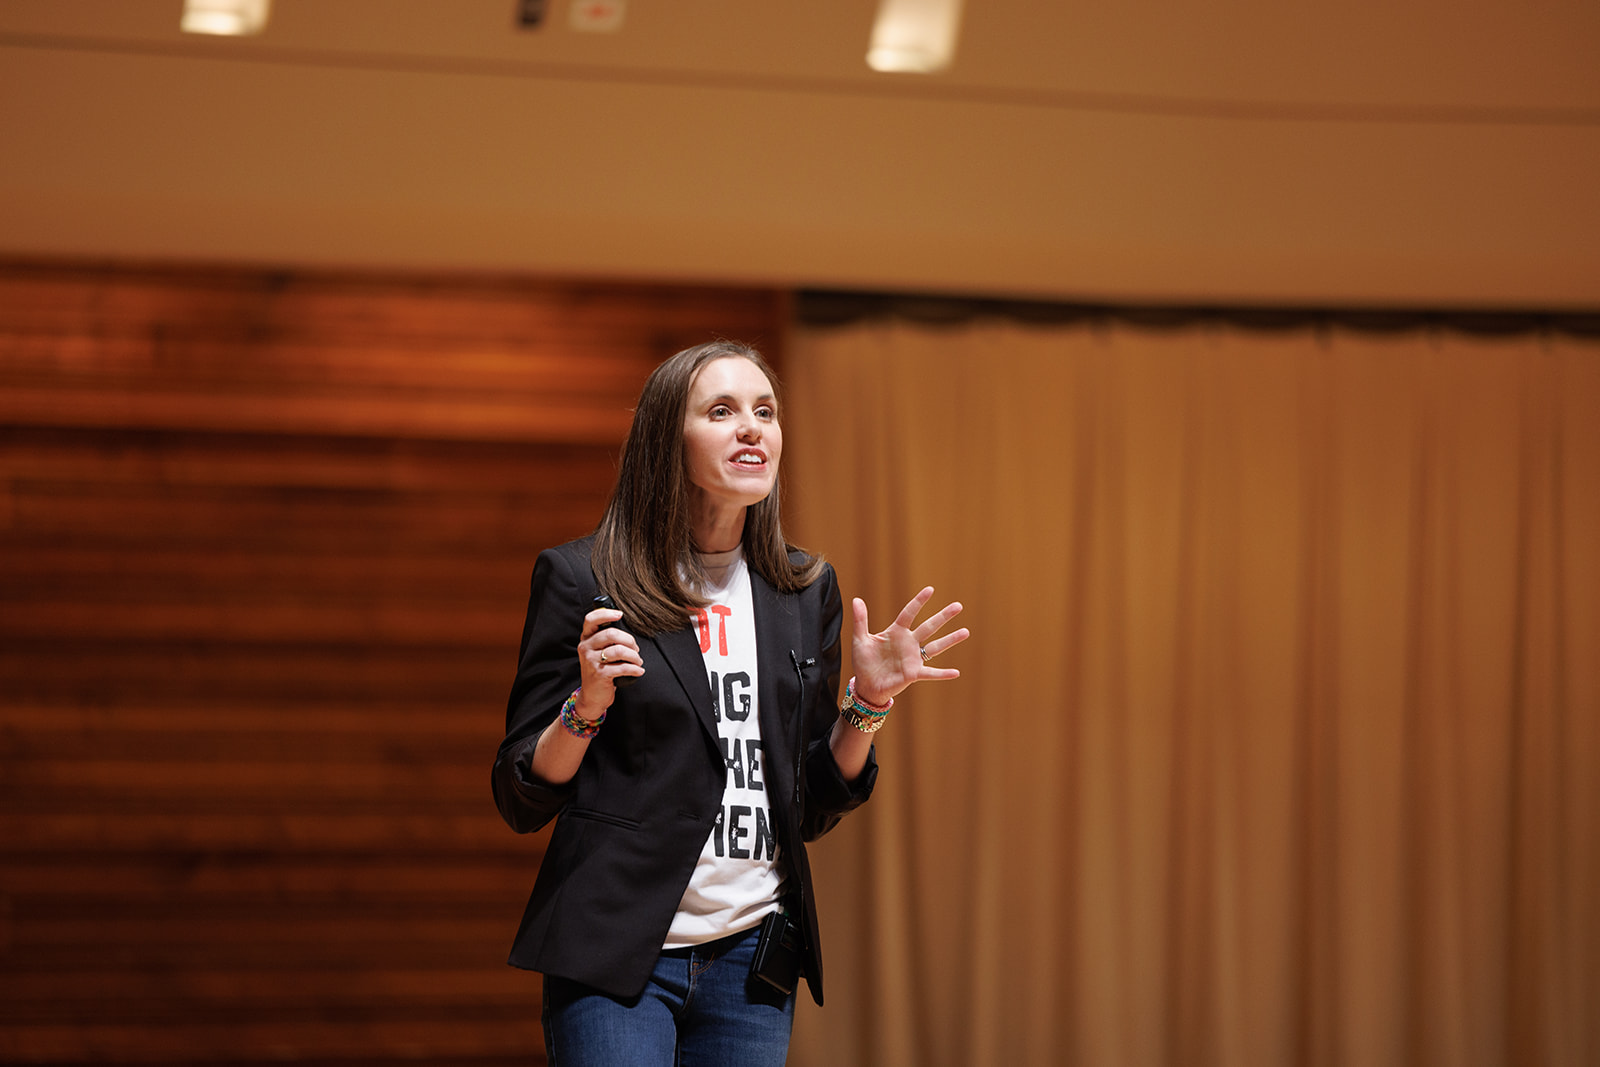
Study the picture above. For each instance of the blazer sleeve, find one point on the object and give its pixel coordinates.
(547, 673)
(828, 797)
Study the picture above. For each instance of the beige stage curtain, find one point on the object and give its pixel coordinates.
(1277, 740)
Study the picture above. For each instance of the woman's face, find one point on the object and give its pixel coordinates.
(731, 438)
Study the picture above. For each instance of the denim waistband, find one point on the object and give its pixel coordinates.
(706, 949)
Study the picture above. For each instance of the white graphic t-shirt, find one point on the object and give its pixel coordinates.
(737, 880)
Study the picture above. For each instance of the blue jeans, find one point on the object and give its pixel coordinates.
(700, 1008)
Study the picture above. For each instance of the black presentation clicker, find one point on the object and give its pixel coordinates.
(604, 601)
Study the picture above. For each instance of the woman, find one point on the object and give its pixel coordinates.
(692, 753)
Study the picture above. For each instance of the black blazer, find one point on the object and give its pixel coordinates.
(636, 815)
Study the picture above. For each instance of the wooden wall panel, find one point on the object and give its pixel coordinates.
(264, 550)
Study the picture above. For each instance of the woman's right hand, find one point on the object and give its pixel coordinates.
(605, 653)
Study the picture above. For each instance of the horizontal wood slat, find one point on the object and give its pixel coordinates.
(254, 876)
(386, 367)
(489, 416)
(550, 316)
(158, 572)
(67, 832)
(201, 1040)
(265, 540)
(44, 457)
(312, 719)
(104, 673)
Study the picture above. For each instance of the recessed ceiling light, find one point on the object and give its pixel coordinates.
(914, 36)
(227, 17)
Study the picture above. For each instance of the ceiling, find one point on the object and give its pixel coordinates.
(1238, 151)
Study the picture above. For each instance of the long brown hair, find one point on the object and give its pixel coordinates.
(643, 547)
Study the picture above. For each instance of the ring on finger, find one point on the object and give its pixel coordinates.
(925, 653)
(602, 659)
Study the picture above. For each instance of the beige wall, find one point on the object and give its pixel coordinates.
(1237, 151)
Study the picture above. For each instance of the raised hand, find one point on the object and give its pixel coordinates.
(887, 662)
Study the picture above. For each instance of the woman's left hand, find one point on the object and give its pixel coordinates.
(886, 663)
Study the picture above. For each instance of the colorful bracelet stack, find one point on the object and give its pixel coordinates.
(868, 718)
(576, 724)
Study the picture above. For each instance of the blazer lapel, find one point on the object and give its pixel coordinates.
(681, 650)
(777, 634)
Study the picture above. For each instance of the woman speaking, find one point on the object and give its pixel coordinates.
(676, 705)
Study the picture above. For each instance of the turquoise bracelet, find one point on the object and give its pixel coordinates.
(868, 718)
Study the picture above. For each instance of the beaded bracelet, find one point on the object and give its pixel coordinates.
(868, 718)
(576, 724)
(852, 697)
